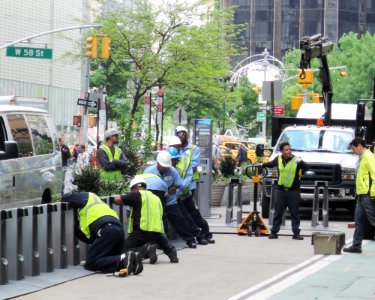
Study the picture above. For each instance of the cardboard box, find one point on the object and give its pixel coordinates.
(328, 242)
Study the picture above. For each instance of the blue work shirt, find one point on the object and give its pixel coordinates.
(170, 177)
(156, 184)
(195, 160)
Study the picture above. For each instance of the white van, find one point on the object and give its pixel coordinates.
(30, 161)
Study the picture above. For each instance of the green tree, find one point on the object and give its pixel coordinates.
(162, 46)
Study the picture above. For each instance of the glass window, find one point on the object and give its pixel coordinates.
(41, 135)
(21, 134)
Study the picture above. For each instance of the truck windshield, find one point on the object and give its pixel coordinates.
(318, 140)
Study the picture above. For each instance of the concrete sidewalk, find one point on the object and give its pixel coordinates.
(236, 267)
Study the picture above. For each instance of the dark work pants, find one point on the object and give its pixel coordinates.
(196, 216)
(193, 226)
(179, 223)
(104, 253)
(138, 240)
(284, 199)
(365, 207)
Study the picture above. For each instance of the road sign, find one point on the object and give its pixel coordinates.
(28, 52)
(278, 110)
(272, 90)
(261, 116)
(179, 116)
(88, 103)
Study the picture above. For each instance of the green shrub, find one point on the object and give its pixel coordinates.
(227, 166)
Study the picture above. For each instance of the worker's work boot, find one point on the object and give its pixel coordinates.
(173, 256)
(202, 241)
(138, 265)
(273, 235)
(151, 254)
(127, 262)
(296, 235)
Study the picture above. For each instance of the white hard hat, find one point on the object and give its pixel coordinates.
(174, 140)
(110, 132)
(137, 180)
(181, 128)
(164, 159)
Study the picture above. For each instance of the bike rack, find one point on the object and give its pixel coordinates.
(229, 208)
(325, 207)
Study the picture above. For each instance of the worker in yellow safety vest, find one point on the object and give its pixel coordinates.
(99, 226)
(146, 222)
(290, 168)
(112, 160)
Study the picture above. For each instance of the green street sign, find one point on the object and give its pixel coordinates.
(261, 116)
(28, 52)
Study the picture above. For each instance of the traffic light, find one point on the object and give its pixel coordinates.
(344, 74)
(316, 98)
(256, 89)
(92, 46)
(106, 42)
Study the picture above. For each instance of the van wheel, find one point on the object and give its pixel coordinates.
(47, 196)
(368, 229)
(265, 206)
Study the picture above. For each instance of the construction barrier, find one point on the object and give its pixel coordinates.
(38, 239)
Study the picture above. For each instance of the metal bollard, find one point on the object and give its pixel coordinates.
(315, 208)
(325, 207)
(49, 238)
(21, 213)
(63, 240)
(229, 209)
(35, 260)
(239, 202)
(4, 215)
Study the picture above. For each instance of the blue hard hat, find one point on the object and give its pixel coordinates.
(173, 152)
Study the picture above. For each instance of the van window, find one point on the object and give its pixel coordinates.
(40, 133)
(21, 134)
(3, 134)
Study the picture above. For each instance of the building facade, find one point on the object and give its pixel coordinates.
(278, 25)
(57, 79)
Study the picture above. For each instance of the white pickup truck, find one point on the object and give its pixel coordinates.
(326, 150)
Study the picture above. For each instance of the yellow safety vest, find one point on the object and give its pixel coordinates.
(191, 151)
(151, 214)
(287, 172)
(94, 209)
(182, 168)
(366, 174)
(111, 175)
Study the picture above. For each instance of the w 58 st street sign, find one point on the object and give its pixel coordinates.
(28, 52)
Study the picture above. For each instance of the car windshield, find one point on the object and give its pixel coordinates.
(318, 140)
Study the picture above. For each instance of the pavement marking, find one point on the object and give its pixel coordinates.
(288, 277)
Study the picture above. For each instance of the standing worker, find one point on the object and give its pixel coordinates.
(112, 160)
(168, 173)
(65, 155)
(290, 168)
(146, 221)
(191, 154)
(99, 226)
(365, 192)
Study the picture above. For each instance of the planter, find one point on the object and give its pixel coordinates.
(218, 189)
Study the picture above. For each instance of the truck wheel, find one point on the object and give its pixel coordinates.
(368, 230)
(265, 206)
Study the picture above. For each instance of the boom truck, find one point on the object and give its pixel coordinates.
(322, 141)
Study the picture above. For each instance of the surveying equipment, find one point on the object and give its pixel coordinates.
(253, 222)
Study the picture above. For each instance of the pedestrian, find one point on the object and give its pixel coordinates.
(112, 160)
(146, 222)
(241, 155)
(290, 168)
(216, 156)
(99, 226)
(365, 192)
(83, 160)
(65, 155)
(164, 169)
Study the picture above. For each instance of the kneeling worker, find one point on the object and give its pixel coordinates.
(146, 221)
(99, 226)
